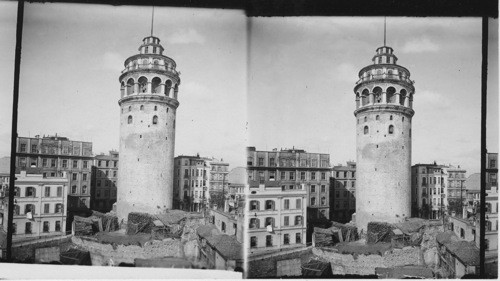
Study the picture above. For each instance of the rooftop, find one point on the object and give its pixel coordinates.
(465, 251)
(225, 244)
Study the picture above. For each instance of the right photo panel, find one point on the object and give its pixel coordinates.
(364, 147)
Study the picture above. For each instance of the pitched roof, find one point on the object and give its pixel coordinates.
(465, 251)
(225, 244)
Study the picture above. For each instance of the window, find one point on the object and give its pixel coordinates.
(223, 227)
(390, 117)
(65, 163)
(75, 164)
(269, 221)
(254, 223)
(269, 240)
(23, 147)
(84, 189)
(261, 161)
(313, 188)
(73, 189)
(323, 188)
(114, 174)
(377, 117)
(44, 162)
(17, 210)
(33, 148)
(313, 201)
(391, 130)
(130, 119)
(493, 163)
(298, 239)
(254, 205)
(272, 175)
(292, 175)
(84, 177)
(298, 220)
(323, 201)
(286, 221)
(30, 191)
(58, 225)
(253, 242)
(313, 176)
(302, 175)
(27, 228)
(271, 162)
(46, 208)
(323, 176)
(45, 226)
(287, 204)
(283, 177)
(298, 204)
(141, 108)
(99, 183)
(286, 239)
(14, 228)
(366, 119)
(84, 202)
(47, 191)
(52, 163)
(58, 208)
(269, 205)
(156, 108)
(155, 120)
(75, 176)
(366, 130)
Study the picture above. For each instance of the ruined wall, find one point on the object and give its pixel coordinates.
(366, 264)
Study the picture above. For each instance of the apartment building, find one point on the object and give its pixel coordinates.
(104, 181)
(343, 192)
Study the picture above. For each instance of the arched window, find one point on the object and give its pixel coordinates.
(30, 192)
(122, 89)
(377, 117)
(168, 86)
(129, 108)
(155, 120)
(142, 107)
(402, 97)
(366, 130)
(143, 84)
(254, 223)
(130, 86)
(269, 205)
(365, 97)
(269, 221)
(377, 94)
(357, 100)
(298, 220)
(176, 90)
(254, 205)
(156, 108)
(365, 119)
(390, 118)
(155, 84)
(390, 95)
(130, 119)
(58, 208)
(391, 129)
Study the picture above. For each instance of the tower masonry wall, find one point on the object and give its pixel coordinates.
(383, 175)
(146, 155)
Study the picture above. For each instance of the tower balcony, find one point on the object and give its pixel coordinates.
(151, 66)
(389, 77)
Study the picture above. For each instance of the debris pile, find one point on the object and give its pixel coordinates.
(379, 232)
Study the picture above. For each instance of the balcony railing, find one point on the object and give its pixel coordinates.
(386, 76)
(151, 66)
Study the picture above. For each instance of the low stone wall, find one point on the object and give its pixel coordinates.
(26, 252)
(366, 264)
(106, 254)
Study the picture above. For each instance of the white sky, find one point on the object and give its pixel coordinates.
(301, 73)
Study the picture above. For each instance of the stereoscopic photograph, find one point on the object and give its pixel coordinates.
(177, 142)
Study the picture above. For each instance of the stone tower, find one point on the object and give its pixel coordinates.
(148, 103)
(384, 95)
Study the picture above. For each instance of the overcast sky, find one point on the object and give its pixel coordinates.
(73, 55)
(303, 71)
(301, 74)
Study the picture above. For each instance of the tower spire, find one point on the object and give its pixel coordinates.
(384, 29)
(152, 19)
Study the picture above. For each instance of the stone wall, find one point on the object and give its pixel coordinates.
(366, 264)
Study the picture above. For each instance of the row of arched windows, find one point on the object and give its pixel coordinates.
(391, 96)
(130, 120)
(141, 86)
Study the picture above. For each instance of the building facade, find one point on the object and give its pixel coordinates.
(104, 181)
(51, 156)
(491, 227)
(218, 175)
(384, 110)
(277, 218)
(294, 168)
(148, 104)
(191, 183)
(428, 190)
(456, 183)
(237, 182)
(343, 192)
(40, 206)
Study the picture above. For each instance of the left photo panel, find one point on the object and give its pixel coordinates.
(131, 137)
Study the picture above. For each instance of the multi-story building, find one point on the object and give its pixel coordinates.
(40, 206)
(4, 185)
(473, 195)
(218, 175)
(237, 181)
(456, 183)
(54, 155)
(428, 190)
(491, 227)
(290, 169)
(343, 192)
(104, 181)
(277, 217)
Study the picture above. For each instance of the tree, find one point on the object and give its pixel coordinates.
(217, 197)
(455, 205)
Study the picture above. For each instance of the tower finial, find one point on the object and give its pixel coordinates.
(384, 29)
(152, 19)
